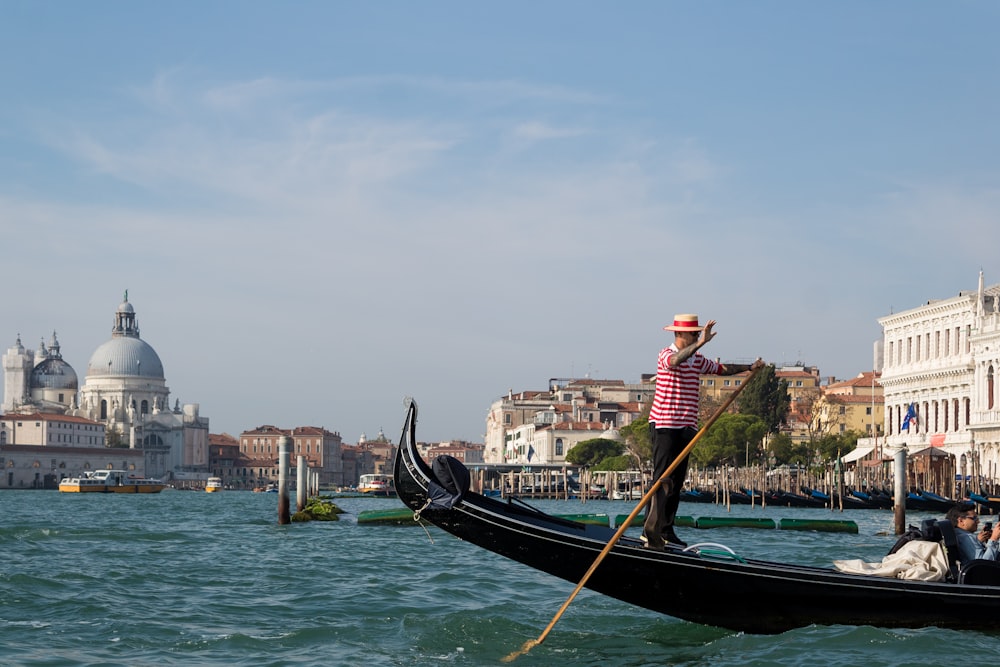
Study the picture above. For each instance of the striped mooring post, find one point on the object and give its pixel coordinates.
(301, 483)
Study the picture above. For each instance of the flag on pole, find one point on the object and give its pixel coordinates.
(911, 416)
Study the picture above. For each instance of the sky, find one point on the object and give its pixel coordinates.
(320, 208)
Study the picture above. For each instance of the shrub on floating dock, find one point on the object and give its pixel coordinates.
(318, 509)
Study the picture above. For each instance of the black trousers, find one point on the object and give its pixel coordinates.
(667, 444)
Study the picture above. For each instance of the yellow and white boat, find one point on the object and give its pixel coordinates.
(213, 484)
(110, 481)
(377, 485)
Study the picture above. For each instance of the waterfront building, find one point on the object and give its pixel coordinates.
(37, 449)
(940, 364)
(43, 429)
(124, 390)
(514, 421)
(357, 461)
(224, 457)
(381, 452)
(546, 444)
(468, 453)
(852, 405)
(257, 464)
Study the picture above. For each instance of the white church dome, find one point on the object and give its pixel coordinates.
(125, 356)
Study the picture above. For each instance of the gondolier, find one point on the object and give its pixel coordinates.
(673, 419)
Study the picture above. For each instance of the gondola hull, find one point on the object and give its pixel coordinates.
(745, 595)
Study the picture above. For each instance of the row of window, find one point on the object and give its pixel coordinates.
(729, 383)
(74, 426)
(271, 449)
(560, 448)
(37, 464)
(931, 345)
(67, 438)
(931, 416)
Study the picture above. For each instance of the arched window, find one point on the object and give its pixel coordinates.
(559, 446)
(144, 407)
(104, 409)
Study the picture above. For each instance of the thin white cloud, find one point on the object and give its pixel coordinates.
(317, 202)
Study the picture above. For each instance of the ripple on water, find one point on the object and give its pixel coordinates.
(211, 579)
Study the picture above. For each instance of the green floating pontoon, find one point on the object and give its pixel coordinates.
(393, 517)
(733, 522)
(682, 521)
(824, 525)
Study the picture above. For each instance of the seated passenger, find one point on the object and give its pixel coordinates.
(973, 544)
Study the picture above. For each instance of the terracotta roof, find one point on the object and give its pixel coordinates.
(862, 380)
(266, 429)
(47, 417)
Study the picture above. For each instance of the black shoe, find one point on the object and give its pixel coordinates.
(670, 536)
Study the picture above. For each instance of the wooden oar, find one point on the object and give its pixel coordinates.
(531, 643)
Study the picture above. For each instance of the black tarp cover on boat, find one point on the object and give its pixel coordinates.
(451, 481)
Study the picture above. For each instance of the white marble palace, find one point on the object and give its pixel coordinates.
(124, 392)
(943, 359)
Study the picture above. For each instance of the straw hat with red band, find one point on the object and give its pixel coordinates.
(685, 322)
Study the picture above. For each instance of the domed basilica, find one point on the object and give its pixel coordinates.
(125, 389)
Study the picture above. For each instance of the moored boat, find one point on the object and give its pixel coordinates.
(213, 484)
(990, 503)
(696, 583)
(110, 481)
(925, 501)
(377, 485)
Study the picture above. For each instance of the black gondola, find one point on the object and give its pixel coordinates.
(925, 501)
(875, 500)
(789, 499)
(697, 496)
(686, 584)
(990, 503)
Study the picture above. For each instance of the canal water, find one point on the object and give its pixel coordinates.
(189, 578)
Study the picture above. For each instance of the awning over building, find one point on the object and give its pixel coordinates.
(858, 453)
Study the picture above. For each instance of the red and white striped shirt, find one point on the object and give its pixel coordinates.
(675, 404)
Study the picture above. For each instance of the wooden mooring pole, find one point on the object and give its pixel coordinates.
(899, 486)
(284, 454)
